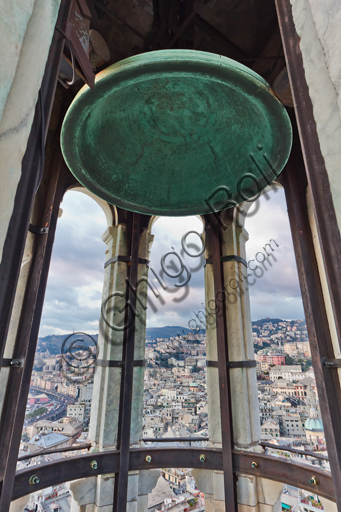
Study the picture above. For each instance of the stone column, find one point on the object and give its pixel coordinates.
(211, 482)
(18, 301)
(85, 493)
(97, 493)
(146, 240)
(107, 380)
(16, 314)
(244, 395)
(329, 506)
(251, 492)
(207, 317)
(19, 505)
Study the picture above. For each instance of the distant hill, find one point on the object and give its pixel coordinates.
(168, 332)
(54, 342)
(266, 320)
(300, 324)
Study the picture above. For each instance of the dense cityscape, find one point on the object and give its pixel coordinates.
(175, 406)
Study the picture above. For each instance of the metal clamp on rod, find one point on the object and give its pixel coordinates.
(118, 364)
(233, 364)
(331, 363)
(37, 230)
(208, 261)
(12, 363)
(242, 364)
(231, 257)
(114, 259)
(144, 261)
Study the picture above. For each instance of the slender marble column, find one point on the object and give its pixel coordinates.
(107, 380)
(244, 395)
(97, 494)
(252, 493)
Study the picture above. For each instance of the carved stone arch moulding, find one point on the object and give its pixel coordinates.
(110, 211)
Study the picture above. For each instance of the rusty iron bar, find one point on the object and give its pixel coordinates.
(286, 472)
(329, 233)
(56, 450)
(272, 468)
(127, 375)
(212, 229)
(17, 229)
(15, 400)
(327, 382)
(317, 176)
(175, 439)
(294, 450)
(79, 52)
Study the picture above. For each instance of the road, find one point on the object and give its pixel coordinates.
(56, 413)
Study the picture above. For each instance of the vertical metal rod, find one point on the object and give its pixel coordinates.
(214, 244)
(13, 415)
(17, 229)
(317, 176)
(123, 444)
(327, 381)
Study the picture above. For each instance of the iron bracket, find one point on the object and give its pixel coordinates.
(81, 56)
(12, 363)
(114, 259)
(234, 257)
(144, 261)
(233, 364)
(331, 363)
(231, 257)
(37, 230)
(118, 364)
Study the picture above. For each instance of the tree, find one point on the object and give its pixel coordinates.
(37, 412)
(306, 364)
(289, 360)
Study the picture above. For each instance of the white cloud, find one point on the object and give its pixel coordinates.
(74, 290)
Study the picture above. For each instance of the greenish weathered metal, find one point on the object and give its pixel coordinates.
(164, 132)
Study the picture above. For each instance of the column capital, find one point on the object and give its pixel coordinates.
(243, 233)
(109, 234)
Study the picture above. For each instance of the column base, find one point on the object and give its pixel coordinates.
(95, 494)
(253, 494)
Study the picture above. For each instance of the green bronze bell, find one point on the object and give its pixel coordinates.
(176, 132)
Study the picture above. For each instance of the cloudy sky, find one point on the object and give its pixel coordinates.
(73, 296)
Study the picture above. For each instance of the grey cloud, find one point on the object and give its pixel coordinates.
(74, 289)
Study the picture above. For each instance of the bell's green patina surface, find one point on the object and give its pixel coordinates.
(162, 131)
